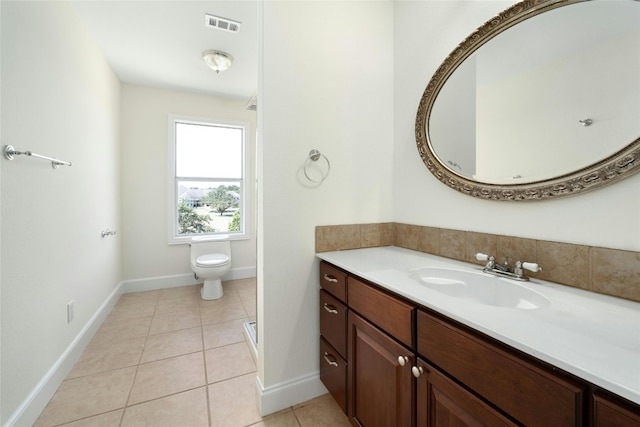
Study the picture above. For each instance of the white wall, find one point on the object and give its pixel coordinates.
(59, 98)
(425, 33)
(144, 172)
(326, 84)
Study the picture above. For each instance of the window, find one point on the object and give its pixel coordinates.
(207, 162)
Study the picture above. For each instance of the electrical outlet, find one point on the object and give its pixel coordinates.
(69, 311)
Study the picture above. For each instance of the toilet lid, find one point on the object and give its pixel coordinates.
(212, 260)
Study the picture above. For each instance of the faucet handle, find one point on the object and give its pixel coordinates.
(482, 257)
(491, 261)
(531, 266)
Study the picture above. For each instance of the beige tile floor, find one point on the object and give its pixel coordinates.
(168, 358)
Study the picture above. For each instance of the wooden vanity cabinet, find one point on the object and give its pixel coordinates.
(333, 332)
(388, 362)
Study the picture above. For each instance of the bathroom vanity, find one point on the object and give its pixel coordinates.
(398, 350)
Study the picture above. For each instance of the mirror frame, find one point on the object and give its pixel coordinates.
(617, 166)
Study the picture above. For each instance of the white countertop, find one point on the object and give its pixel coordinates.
(593, 336)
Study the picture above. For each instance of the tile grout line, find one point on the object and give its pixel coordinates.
(135, 375)
(204, 357)
(296, 417)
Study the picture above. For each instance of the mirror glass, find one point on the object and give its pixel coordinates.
(534, 95)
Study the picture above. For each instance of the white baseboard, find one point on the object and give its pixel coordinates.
(289, 393)
(30, 409)
(159, 282)
(241, 273)
(177, 280)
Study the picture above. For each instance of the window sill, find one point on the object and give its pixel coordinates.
(187, 240)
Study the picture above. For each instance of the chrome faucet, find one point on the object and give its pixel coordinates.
(503, 270)
(502, 267)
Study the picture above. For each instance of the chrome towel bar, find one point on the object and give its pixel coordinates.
(10, 153)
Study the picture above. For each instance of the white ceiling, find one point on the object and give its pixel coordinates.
(159, 43)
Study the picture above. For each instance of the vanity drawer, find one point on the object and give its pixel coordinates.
(333, 322)
(384, 310)
(333, 281)
(333, 373)
(526, 392)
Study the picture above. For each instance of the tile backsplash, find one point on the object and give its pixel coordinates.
(607, 271)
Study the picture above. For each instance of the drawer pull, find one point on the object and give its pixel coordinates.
(330, 359)
(331, 309)
(417, 371)
(330, 278)
(402, 360)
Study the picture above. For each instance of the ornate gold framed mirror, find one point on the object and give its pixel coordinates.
(542, 101)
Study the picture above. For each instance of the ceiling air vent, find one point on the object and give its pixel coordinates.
(223, 24)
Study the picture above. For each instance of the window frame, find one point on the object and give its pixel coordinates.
(173, 179)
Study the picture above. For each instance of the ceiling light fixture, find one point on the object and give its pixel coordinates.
(217, 60)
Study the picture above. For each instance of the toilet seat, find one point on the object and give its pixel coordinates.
(212, 260)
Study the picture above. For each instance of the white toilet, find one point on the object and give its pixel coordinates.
(210, 260)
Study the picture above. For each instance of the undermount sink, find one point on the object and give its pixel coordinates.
(479, 287)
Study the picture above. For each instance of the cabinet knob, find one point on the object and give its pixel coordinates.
(331, 309)
(330, 359)
(402, 360)
(417, 371)
(329, 278)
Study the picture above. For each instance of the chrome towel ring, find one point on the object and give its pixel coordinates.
(310, 163)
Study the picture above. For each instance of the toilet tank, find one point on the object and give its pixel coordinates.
(218, 244)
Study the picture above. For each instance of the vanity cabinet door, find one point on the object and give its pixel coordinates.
(379, 376)
(441, 402)
(608, 413)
